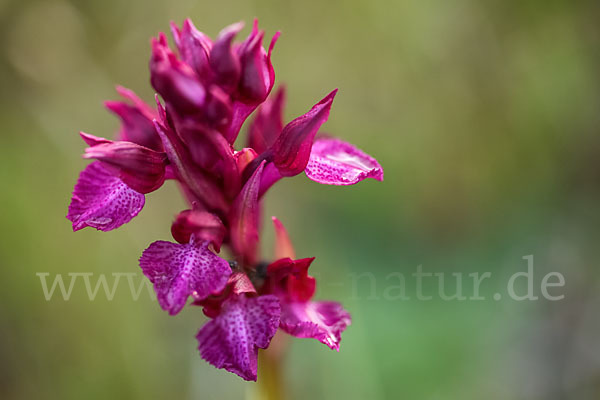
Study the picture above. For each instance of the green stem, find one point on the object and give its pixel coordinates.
(270, 382)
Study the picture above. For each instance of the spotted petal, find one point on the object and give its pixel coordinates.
(335, 162)
(321, 320)
(178, 270)
(232, 339)
(102, 201)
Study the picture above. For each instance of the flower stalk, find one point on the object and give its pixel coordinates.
(271, 382)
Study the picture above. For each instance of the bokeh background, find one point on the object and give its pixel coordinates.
(485, 117)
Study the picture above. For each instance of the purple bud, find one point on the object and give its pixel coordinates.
(224, 62)
(194, 47)
(174, 80)
(256, 81)
(257, 71)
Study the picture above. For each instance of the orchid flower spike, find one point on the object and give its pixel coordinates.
(206, 90)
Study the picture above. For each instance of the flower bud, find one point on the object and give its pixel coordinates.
(174, 80)
(225, 63)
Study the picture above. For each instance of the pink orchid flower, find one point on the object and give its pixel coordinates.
(207, 91)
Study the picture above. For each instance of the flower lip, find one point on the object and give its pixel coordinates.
(180, 270)
(231, 340)
(335, 162)
(102, 201)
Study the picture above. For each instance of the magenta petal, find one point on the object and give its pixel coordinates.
(136, 120)
(135, 127)
(178, 270)
(292, 148)
(321, 320)
(335, 162)
(232, 339)
(141, 168)
(102, 201)
(92, 140)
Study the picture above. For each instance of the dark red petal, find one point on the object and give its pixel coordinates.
(201, 224)
(289, 279)
(301, 286)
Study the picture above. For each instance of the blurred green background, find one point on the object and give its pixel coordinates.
(486, 118)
